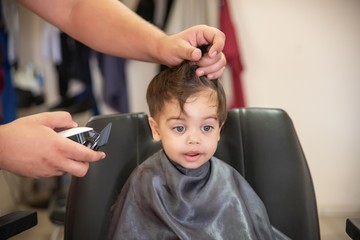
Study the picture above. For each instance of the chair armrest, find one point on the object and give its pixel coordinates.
(16, 222)
(353, 228)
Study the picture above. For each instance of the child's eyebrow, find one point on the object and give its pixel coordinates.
(175, 119)
(214, 117)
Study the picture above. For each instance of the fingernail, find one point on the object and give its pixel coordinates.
(214, 53)
(201, 73)
(103, 155)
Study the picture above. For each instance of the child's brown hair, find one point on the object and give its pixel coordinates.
(179, 83)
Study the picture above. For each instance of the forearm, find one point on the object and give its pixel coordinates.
(109, 27)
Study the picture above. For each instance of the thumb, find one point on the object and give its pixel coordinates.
(189, 52)
(196, 54)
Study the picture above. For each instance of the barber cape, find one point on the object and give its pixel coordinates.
(162, 200)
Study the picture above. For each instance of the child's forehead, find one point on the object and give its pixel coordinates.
(204, 94)
(194, 104)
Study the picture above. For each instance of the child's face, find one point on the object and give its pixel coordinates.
(189, 139)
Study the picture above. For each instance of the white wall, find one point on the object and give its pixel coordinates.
(304, 57)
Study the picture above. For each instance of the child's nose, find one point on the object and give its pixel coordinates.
(193, 138)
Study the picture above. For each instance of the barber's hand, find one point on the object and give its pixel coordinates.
(30, 147)
(183, 46)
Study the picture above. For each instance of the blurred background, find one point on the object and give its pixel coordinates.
(301, 56)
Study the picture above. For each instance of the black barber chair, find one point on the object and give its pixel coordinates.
(260, 143)
(352, 228)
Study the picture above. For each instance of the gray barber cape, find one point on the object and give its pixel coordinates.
(162, 200)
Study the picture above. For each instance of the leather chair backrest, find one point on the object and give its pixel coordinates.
(260, 143)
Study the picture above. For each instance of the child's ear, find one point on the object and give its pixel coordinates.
(154, 129)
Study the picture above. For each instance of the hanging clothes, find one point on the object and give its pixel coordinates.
(232, 54)
(2, 82)
(161, 12)
(187, 13)
(51, 45)
(8, 97)
(113, 70)
(71, 59)
(154, 11)
(11, 19)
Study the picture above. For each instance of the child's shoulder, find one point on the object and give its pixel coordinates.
(223, 167)
(149, 167)
(220, 163)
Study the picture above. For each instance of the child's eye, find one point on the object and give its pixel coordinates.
(207, 128)
(179, 129)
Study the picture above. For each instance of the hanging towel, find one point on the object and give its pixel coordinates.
(232, 54)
